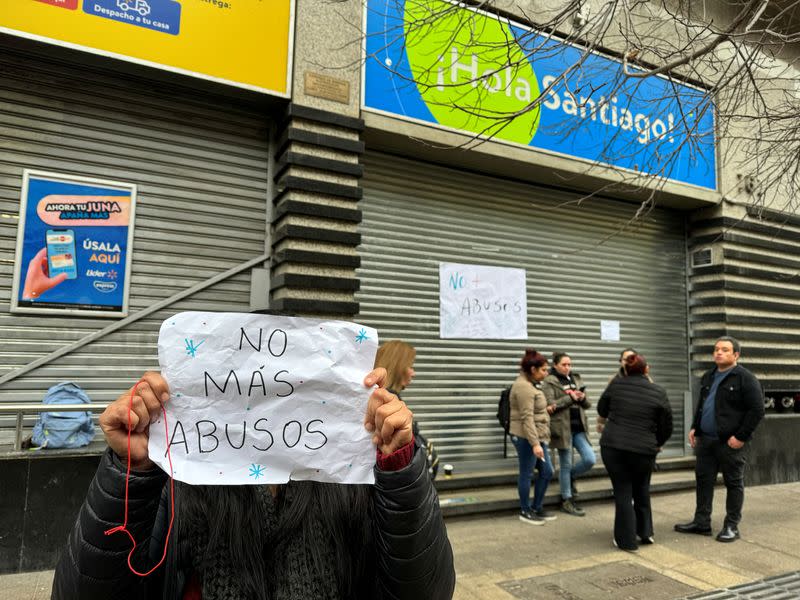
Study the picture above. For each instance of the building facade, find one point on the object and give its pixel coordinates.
(327, 176)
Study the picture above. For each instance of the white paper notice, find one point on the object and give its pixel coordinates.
(477, 302)
(263, 399)
(609, 331)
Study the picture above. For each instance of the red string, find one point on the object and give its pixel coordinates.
(124, 526)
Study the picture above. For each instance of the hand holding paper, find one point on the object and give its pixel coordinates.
(122, 414)
(388, 418)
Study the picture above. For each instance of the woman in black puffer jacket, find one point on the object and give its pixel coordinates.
(638, 423)
(290, 542)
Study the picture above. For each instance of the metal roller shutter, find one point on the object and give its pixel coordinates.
(201, 170)
(418, 215)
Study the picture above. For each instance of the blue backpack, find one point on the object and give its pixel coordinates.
(64, 429)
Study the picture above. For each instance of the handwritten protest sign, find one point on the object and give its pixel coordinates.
(263, 399)
(479, 302)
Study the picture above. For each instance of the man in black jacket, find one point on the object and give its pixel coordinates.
(300, 540)
(730, 408)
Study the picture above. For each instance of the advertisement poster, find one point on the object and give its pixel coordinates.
(440, 63)
(482, 303)
(73, 245)
(246, 43)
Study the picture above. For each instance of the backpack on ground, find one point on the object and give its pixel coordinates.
(504, 416)
(64, 429)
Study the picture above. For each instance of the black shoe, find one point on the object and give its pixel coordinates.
(544, 514)
(729, 533)
(646, 541)
(529, 517)
(633, 550)
(693, 528)
(574, 489)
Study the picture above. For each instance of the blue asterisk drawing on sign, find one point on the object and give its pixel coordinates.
(362, 336)
(191, 349)
(256, 470)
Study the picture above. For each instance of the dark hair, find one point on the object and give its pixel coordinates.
(621, 354)
(737, 347)
(557, 356)
(635, 364)
(532, 359)
(232, 518)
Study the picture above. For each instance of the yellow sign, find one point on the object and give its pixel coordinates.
(239, 42)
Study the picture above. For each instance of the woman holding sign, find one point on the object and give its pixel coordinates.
(530, 434)
(284, 542)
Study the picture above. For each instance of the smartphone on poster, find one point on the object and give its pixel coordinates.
(61, 253)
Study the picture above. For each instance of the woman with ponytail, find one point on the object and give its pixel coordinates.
(530, 434)
(639, 422)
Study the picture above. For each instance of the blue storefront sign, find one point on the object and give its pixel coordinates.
(73, 245)
(437, 62)
(158, 15)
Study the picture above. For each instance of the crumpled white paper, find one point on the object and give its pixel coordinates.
(261, 399)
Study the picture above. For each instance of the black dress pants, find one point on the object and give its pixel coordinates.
(630, 477)
(713, 456)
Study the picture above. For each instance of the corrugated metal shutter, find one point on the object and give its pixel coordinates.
(417, 215)
(201, 170)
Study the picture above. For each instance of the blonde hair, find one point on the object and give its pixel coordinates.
(397, 358)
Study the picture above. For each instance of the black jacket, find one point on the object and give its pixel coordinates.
(413, 557)
(422, 441)
(739, 404)
(638, 413)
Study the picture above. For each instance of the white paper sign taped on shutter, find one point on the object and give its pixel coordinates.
(479, 302)
(609, 331)
(264, 399)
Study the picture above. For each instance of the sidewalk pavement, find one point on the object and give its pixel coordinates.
(572, 558)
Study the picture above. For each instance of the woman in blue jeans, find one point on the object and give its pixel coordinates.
(530, 433)
(569, 427)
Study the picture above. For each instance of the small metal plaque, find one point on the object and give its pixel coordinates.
(325, 86)
(610, 581)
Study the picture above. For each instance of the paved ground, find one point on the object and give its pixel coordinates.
(493, 552)
(27, 586)
(500, 558)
